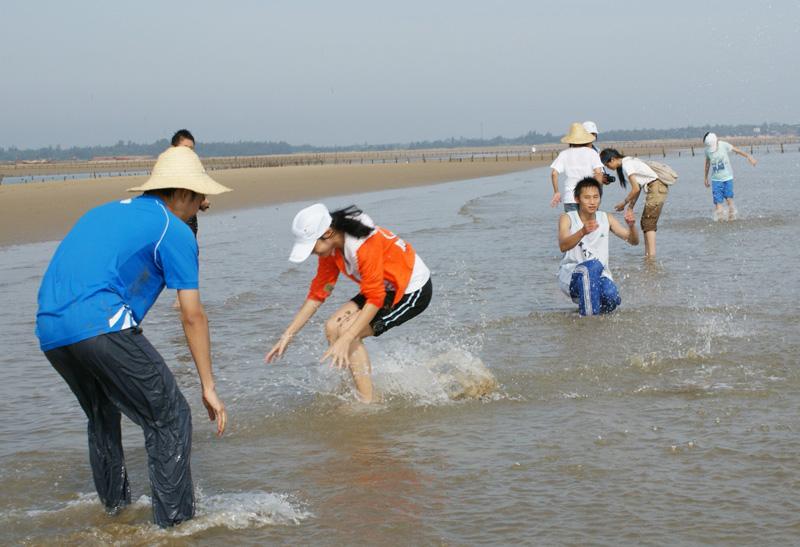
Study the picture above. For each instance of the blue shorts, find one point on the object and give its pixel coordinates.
(594, 293)
(721, 190)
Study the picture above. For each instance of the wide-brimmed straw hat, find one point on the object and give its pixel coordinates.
(577, 135)
(179, 167)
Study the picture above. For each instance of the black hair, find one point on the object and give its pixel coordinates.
(167, 193)
(344, 220)
(181, 134)
(586, 183)
(706, 135)
(609, 154)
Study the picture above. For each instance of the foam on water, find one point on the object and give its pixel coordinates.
(415, 375)
(234, 511)
(244, 510)
(431, 375)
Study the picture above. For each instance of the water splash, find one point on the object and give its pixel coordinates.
(432, 375)
(233, 511)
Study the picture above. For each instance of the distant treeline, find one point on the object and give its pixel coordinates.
(249, 148)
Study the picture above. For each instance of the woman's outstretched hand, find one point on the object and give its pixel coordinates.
(278, 349)
(339, 352)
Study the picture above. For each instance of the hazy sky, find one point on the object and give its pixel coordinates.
(343, 72)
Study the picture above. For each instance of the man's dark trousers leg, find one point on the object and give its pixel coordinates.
(125, 373)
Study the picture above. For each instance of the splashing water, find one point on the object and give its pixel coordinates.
(429, 376)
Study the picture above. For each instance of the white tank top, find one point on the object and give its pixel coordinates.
(592, 245)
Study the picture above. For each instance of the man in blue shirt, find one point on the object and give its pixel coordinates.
(104, 277)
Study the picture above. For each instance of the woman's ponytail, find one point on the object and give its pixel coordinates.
(344, 220)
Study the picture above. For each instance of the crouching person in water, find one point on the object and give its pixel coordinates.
(104, 277)
(395, 285)
(583, 237)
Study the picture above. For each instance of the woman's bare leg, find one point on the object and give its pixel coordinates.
(360, 366)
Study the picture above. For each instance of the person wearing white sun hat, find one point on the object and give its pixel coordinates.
(591, 127)
(578, 161)
(395, 285)
(102, 280)
(718, 162)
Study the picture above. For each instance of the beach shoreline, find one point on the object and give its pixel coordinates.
(45, 211)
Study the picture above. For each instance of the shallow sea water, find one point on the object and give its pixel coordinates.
(674, 420)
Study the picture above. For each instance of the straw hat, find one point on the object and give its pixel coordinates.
(179, 167)
(577, 135)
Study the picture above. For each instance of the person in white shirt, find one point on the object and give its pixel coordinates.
(583, 238)
(641, 176)
(718, 162)
(591, 127)
(576, 162)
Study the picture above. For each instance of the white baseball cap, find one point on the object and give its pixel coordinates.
(590, 127)
(711, 142)
(308, 226)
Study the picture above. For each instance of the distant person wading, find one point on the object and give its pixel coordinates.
(578, 161)
(718, 163)
(641, 176)
(183, 137)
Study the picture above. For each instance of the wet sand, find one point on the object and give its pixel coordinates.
(44, 211)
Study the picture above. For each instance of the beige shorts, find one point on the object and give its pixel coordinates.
(656, 196)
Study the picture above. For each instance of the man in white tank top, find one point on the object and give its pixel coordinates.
(583, 237)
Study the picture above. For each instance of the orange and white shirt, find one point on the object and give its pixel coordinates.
(379, 263)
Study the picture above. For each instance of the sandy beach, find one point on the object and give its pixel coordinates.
(44, 211)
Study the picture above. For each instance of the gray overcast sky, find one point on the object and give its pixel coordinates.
(343, 72)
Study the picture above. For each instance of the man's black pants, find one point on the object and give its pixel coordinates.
(122, 372)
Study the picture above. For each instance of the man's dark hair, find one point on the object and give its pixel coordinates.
(181, 134)
(167, 193)
(586, 183)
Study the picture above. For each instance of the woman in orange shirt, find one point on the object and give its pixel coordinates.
(395, 285)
